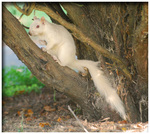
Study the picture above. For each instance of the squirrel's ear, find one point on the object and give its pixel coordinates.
(43, 20)
(34, 18)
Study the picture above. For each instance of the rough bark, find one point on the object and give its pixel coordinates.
(122, 29)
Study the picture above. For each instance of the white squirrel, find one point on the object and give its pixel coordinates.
(61, 46)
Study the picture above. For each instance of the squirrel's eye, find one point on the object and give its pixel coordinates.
(37, 26)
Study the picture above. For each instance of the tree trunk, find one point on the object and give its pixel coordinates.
(117, 28)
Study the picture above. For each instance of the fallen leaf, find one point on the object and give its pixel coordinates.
(68, 117)
(41, 124)
(34, 117)
(124, 129)
(28, 119)
(47, 124)
(122, 122)
(56, 103)
(61, 109)
(30, 112)
(44, 124)
(6, 112)
(49, 109)
(19, 113)
(19, 92)
(26, 115)
(139, 125)
(71, 130)
(59, 119)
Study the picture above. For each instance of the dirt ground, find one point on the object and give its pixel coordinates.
(42, 112)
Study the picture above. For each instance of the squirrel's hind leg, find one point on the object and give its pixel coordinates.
(57, 60)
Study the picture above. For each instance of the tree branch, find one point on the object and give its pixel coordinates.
(83, 38)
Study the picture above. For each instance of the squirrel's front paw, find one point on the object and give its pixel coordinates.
(44, 49)
(42, 42)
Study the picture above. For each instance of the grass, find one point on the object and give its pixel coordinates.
(18, 80)
(21, 128)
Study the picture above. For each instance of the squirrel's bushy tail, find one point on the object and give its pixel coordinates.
(102, 84)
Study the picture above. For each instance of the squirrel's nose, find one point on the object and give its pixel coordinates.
(29, 33)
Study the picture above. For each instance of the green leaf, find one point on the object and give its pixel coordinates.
(19, 79)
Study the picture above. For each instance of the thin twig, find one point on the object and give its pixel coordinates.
(25, 26)
(77, 119)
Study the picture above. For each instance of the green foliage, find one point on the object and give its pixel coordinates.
(18, 80)
(25, 20)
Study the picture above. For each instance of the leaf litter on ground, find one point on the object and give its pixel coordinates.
(41, 113)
